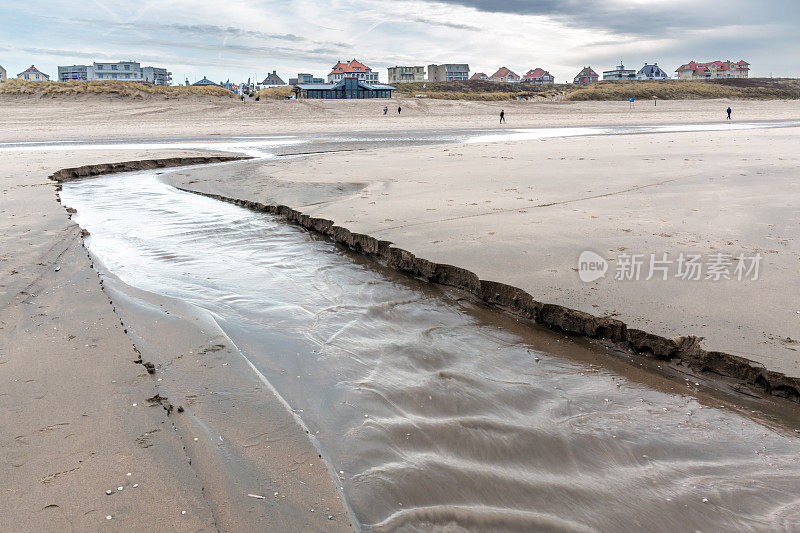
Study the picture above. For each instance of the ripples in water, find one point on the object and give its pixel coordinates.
(438, 412)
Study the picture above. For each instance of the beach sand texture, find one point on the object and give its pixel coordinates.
(513, 212)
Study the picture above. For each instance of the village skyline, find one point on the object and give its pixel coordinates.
(249, 39)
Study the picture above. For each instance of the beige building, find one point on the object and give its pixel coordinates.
(448, 72)
(713, 70)
(3, 74)
(33, 74)
(406, 74)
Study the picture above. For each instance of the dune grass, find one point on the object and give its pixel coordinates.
(478, 90)
(52, 89)
(275, 93)
(754, 88)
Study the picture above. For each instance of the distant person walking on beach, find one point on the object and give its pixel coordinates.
(729, 113)
(502, 116)
(399, 110)
(385, 109)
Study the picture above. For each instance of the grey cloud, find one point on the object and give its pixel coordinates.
(444, 24)
(644, 19)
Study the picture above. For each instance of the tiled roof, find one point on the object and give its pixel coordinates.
(536, 73)
(479, 76)
(693, 66)
(586, 72)
(31, 70)
(351, 66)
(504, 72)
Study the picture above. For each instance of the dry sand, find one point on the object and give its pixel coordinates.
(70, 430)
(26, 119)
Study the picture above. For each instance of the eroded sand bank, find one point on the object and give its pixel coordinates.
(521, 213)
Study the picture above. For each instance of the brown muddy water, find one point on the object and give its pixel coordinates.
(433, 411)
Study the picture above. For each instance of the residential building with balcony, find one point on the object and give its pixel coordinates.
(406, 74)
(619, 73)
(713, 70)
(448, 72)
(121, 70)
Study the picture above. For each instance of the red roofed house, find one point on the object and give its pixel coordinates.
(713, 70)
(479, 76)
(538, 76)
(33, 74)
(504, 75)
(352, 69)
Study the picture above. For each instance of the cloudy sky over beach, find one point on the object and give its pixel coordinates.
(238, 39)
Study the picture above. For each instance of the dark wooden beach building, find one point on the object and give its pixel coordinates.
(346, 88)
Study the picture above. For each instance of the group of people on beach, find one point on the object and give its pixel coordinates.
(503, 112)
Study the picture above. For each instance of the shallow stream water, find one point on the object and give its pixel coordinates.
(437, 411)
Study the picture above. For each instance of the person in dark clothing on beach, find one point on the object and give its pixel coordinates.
(399, 109)
(502, 116)
(385, 109)
(729, 113)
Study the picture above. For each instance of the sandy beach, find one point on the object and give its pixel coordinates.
(79, 415)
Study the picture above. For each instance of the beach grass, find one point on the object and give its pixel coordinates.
(753, 88)
(275, 93)
(52, 89)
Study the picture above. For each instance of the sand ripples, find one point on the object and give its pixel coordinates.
(435, 415)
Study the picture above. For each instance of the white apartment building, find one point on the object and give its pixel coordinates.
(121, 70)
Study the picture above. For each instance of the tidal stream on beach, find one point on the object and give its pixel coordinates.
(431, 409)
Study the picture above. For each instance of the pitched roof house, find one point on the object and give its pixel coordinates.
(713, 70)
(273, 80)
(538, 76)
(352, 69)
(33, 74)
(651, 72)
(586, 76)
(2, 73)
(504, 75)
(205, 82)
(479, 76)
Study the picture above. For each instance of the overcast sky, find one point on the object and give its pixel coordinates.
(237, 39)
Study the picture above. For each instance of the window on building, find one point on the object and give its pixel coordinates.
(113, 67)
(127, 67)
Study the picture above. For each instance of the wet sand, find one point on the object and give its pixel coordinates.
(521, 213)
(50, 482)
(431, 409)
(75, 412)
